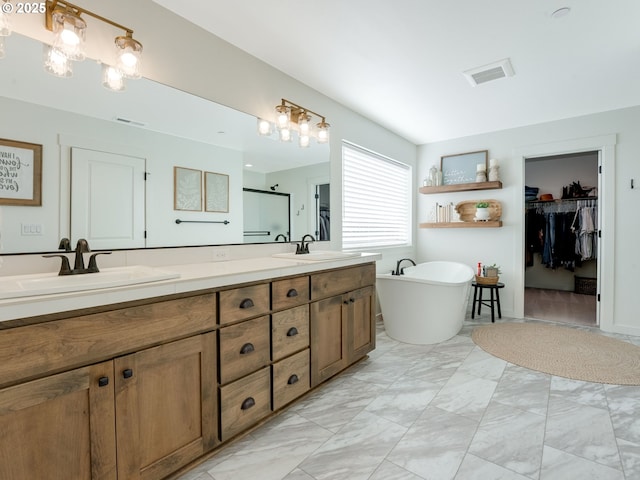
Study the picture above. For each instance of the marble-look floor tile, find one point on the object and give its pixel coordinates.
(624, 404)
(390, 471)
(582, 430)
(511, 438)
(559, 465)
(482, 364)
(404, 400)
(585, 393)
(630, 455)
(435, 445)
(524, 389)
(466, 395)
(475, 468)
(435, 368)
(276, 452)
(298, 474)
(354, 452)
(459, 347)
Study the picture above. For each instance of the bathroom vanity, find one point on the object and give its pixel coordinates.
(142, 388)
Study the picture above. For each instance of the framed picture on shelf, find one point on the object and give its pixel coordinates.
(462, 167)
(20, 173)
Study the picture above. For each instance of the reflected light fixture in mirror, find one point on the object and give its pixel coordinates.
(293, 117)
(5, 18)
(56, 62)
(1, 46)
(112, 78)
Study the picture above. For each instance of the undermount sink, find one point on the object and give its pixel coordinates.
(318, 256)
(50, 283)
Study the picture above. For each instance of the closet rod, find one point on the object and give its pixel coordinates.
(178, 221)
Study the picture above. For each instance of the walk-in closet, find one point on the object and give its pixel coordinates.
(561, 238)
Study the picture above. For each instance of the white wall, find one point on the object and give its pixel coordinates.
(620, 302)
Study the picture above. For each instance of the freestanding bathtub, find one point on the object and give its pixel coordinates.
(427, 304)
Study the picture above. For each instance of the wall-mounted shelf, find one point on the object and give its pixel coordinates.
(462, 187)
(495, 224)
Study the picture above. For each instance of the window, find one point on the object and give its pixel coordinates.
(376, 200)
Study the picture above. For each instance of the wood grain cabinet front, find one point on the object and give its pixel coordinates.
(244, 302)
(290, 379)
(244, 348)
(289, 331)
(289, 292)
(244, 402)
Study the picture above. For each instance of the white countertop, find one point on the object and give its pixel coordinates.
(193, 277)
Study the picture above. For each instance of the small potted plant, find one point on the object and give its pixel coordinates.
(482, 212)
(490, 270)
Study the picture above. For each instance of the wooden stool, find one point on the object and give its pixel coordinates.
(487, 302)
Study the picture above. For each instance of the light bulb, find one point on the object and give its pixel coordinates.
(112, 78)
(264, 127)
(303, 124)
(323, 132)
(303, 141)
(282, 118)
(69, 31)
(285, 135)
(128, 56)
(56, 62)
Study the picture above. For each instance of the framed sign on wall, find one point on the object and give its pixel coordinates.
(462, 167)
(20, 173)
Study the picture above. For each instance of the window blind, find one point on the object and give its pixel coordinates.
(376, 200)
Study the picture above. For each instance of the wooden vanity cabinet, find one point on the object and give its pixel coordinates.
(342, 326)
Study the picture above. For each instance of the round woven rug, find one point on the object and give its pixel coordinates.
(565, 352)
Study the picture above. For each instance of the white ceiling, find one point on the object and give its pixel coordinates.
(400, 62)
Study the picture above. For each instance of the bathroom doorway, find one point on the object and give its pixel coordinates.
(561, 238)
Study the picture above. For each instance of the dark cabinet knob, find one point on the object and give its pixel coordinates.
(248, 403)
(246, 303)
(292, 332)
(352, 300)
(346, 302)
(103, 381)
(247, 348)
(292, 293)
(127, 373)
(292, 379)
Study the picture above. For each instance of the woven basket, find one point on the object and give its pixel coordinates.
(486, 280)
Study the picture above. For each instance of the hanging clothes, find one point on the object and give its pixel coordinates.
(585, 227)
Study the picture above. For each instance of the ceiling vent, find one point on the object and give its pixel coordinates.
(488, 73)
(128, 121)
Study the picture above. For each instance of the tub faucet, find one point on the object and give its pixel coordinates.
(303, 247)
(284, 239)
(400, 271)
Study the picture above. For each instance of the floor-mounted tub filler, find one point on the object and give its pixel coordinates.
(427, 304)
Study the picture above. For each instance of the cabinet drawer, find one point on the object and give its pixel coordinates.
(289, 331)
(245, 302)
(290, 379)
(339, 281)
(290, 292)
(243, 348)
(244, 402)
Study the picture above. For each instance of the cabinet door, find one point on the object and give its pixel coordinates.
(328, 334)
(166, 407)
(60, 427)
(361, 323)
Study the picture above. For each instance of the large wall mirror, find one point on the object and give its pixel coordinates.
(109, 163)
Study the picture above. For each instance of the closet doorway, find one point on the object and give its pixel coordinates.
(561, 238)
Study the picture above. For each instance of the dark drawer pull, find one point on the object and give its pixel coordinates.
(246, 303)
(247, 348)
(103, 381)
(292, 332)
(292, 293)
(293, 379)
(248, 403)
(127, 373)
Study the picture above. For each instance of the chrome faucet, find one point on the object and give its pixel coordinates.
(82, 246)
(284, 238)
(400, 271)
(303, 247)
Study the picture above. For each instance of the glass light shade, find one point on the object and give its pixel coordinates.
(323, 132)
(5, 22)
(56, 62)
(128, 56)
(303, 124)
(264, 127)
(112, 78)
(303, 141)
(285, 135)
(69, 31)
(282, 118)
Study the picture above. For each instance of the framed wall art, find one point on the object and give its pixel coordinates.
(20, 173)
(187, 189)
(462, 167)
(216, 192)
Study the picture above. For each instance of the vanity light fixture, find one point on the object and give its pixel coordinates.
(291, 117)
(65, 20)
(5, 18)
